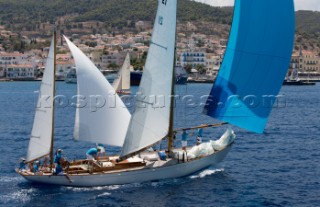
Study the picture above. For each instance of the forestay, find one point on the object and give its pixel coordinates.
(101, 115)
(255, 63)
(40, 140)
(150, 120)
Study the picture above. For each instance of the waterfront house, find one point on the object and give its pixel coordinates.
(193, 58)
(20, 72)
(14, 58)
(304, 64)
(113, 58)
(309, 61)
(62, 67)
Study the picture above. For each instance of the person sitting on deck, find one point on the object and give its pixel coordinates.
(93, 153)
(46, 161)
(36, 165)
(199, 136)
(45, 166)
(184, 139)
(30, 166)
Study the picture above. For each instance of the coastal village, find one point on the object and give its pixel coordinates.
(199, 54)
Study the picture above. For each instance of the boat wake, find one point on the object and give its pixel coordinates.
(206, 172)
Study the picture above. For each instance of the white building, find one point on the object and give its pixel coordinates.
(113, 58)
(193, 58)
(62, 67)
(213, 65)
(25, 71)
(7, 59)
(12, 58)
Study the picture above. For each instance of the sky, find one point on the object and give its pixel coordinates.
(313, 5)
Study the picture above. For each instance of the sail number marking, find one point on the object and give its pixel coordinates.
(164, 2)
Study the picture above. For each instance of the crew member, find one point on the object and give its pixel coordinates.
(93, 153)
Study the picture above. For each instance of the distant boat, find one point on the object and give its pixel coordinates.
(294, 80)
(71, 76)
(298, 83)
(122, 84)
(199, 80)
(181, 75)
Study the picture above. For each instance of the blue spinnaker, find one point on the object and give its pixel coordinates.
(255, 63)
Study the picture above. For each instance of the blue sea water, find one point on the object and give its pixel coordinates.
(278, 168)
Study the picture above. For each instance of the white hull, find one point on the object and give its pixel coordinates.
(143, 174)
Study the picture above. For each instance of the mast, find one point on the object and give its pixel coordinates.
(172, 105)
(53, 98)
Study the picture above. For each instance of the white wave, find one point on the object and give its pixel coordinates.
(101, 188)
(6, 179)
(103, 194)
(206, 173)
(21, 196)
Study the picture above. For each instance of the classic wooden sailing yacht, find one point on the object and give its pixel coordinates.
(254, 29)
(122, 84)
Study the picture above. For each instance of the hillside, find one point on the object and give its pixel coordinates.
(308, 22)
(113, 12)
(308, 29)
(121, 15)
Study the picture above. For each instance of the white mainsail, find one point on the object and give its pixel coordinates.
(40, 140)
(101, 116)
(150, 121)
(123, 80)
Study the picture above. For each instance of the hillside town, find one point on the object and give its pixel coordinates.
(201, 55)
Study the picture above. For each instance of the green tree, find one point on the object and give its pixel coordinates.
(201, 69)
(188, 68)
(113, 66)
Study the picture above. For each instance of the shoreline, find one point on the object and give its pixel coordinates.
(194, 81)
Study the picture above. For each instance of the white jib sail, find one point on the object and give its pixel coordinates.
(101, 115)
(117, 82)
(150, 120)
(123, 80)
(126, 73)
(40, 140)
